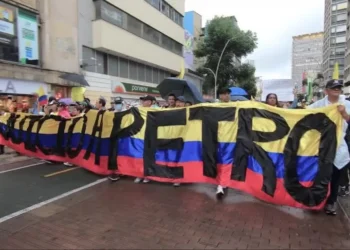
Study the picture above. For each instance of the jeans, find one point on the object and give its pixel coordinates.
(334, 185)
(344, 176)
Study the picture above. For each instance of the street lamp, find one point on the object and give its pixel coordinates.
(217, 67)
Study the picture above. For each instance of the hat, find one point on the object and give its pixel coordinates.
(147, 98)
(118, 100)
(53, 102)
(224, 91)
(331, 84)
(181, 99)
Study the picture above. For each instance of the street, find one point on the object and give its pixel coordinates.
(150, 216)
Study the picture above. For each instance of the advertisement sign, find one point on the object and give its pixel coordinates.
(6, 20)
(27, 37)
(10, 86)
(121, 87)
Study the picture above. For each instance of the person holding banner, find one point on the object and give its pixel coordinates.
(272, 100)
(342, 157)
(147, 102)
(224, 97)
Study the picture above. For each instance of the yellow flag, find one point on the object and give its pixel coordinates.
(182, 71)
(336, 71)
(41, 91)
(78, 94)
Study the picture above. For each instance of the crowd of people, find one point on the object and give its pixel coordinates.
(340, 177)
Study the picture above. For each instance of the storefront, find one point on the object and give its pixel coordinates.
(16, 95)
(131, 93)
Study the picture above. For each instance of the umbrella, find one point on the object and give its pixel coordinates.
(237, 91)
(72, 77)
(235, 98)
(180, 87)
(67, 101)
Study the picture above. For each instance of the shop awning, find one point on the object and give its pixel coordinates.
(73, 77)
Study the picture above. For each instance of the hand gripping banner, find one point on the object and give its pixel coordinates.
(278, 155)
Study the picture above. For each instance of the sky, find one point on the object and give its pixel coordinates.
(274, 21)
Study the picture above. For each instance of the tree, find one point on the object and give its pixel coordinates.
(218, 32)
(245, 78)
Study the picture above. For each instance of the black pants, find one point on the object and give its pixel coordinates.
(334, 186)
(344, 176)
(2, 149)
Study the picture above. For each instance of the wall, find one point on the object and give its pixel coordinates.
(59, 35)
(32, 4)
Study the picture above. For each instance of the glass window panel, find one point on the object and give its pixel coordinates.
(101, 62)
(167, 42)
(340, 39)
(124, 68)
(341, 17)
(149, 74)
(165, 9)
(134, 26)
(113, 15)
(151, 34)
(113, 69)
(155, 75)
(89, 59)
(132, 70)
(141, 72)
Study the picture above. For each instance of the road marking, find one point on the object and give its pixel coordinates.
(28, 166)
(61, 172)
(23, 211)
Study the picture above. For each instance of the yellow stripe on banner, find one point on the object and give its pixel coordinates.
(61, 172)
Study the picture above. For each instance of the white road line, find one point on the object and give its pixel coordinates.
(28, 166)
(15, 214)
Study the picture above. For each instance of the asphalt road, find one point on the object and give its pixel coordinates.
(25, 187)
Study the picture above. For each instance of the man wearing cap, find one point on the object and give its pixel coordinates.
(180, 102)
(147, 101)
(342, 157)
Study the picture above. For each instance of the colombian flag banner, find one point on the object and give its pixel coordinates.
(278, 155)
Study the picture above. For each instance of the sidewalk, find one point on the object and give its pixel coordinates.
(125, 215)
(11, 160)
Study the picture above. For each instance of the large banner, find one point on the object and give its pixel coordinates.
(278, 155)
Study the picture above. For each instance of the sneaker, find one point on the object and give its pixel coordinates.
(344, 191)
(68, 164)
(220, 192)
(113, 177)
(330, 209)
(138, 180)
(176, 184)
(146, 180)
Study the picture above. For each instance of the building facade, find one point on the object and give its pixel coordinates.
(127, 48)
(306, 57)
(334, 45)
(347, 57)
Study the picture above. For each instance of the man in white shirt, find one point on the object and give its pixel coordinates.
(342, 158)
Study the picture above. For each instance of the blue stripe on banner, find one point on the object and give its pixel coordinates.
(192, 152)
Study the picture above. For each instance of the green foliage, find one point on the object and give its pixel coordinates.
(245, 78)
(218, 32)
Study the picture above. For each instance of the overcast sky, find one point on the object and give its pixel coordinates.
(274, 21)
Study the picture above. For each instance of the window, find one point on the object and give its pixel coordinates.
(124, 68)
(132, 70)
(151, 34)
(149, 74)
(341, 17)
(141, 72)
(113, 66)
(134, 26)
(89, 60)
(340, 39)
(178, 48)
(342, 6)
(167, 10)
(167, 43)
(155, 75)
(340, 51)
(154, 3)
(112, 15)
(101, 62)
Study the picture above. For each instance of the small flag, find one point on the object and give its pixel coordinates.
(336, 71)
(42, 97)
(78, 94)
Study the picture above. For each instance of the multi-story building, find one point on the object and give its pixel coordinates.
(128, 47)
(347, 57)
(123, 48)
(334, 45)
(306, 57)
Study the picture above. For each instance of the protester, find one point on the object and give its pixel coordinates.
(171, 101)
(147, 102)
(77, 111)
(35, 106)
(180, 102)
(101, 103)
(2, 147)
(188, 103)
(63, 110)
(272, 100)
(342, 157)
(118, 107)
